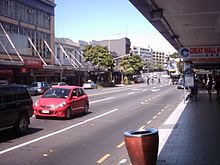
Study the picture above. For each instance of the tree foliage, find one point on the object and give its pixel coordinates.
(132, 65)
(174, 55)
(99, 56)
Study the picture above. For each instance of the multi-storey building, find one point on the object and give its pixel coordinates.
(159, 57)
(144, 53)
(117, 47)
(27, 40)
(72, 64)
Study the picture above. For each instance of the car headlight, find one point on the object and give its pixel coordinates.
(36, 103)
(61, 105)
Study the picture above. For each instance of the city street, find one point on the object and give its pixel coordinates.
(95, 138)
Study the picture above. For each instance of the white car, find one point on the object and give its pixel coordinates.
(90, 85)
(58, 84)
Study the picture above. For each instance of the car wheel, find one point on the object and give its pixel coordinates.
(86, 109)
(21, 125)
(68, 114)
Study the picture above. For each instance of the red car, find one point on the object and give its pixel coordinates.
(62, 101)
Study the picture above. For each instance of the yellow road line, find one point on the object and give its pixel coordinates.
(103, 158)
(142, 127)
(120, 145)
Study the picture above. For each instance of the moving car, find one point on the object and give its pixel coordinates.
(90, 85)
(58, 84)
(62, 101)
(41, 87)
(16, 108)
(32, 91)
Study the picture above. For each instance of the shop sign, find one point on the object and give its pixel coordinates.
(33, 63)
(200, 54)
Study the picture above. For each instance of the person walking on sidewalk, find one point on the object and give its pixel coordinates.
(217, 85)
(209, 85)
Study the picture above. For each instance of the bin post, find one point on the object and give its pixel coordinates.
(142, 146)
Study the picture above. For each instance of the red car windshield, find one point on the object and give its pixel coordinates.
(57, 93)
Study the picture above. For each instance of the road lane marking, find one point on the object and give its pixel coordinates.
(109, 98)
(154, 117)
(56, 132)
(142, 127)
(103, 158)
(123, 161)
(95, 94)
(130, 93)
(120, 145)
(159, 113)
(149, 122)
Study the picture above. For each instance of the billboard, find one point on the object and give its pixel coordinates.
(206, 54)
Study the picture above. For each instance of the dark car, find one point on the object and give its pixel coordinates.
(41, 87)
(16, 108)
(31, 90)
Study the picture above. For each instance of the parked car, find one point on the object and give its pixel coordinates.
(16, 108)
(139, 80)
(62, 101)
(31, 90)
(90, 85)
(41, 87)
(58, 84)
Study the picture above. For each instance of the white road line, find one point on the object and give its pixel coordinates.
(56, 132)
(130, 93)
(109, 98)
(172, 120)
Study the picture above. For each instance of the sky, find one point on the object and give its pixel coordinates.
(89, 20)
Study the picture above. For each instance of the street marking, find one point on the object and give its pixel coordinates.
(123, 161)
(142, 127)
(149, 122)
(103, 158)
(154, 117)
(45, 155)
(130, 93)
(109, 98)
(113, 91)
(56, 132)
(120, 145)
(159, 113)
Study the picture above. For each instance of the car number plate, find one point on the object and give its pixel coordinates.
(45, 111)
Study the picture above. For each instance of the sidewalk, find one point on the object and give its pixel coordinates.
(194, 139)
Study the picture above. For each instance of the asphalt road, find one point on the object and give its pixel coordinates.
(95, 138)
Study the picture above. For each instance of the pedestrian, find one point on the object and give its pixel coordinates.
(217, 85)
(203, 84)
(152, 80)
(209, 85)
(158, 80)
(148, 80)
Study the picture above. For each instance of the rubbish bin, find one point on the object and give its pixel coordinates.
(142, 146)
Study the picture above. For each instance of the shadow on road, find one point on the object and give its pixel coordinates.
(10, 134)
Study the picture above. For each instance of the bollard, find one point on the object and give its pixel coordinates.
(142, 146)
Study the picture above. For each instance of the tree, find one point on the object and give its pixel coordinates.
(131, 65)
(174, 55)
(99, 56)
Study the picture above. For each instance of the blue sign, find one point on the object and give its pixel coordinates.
(184, 52)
